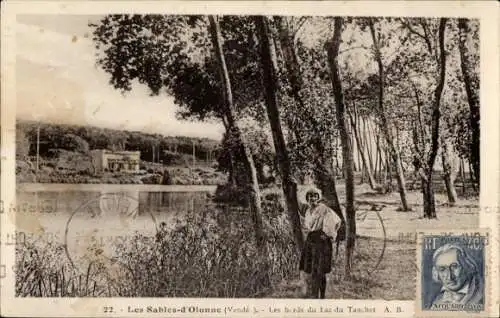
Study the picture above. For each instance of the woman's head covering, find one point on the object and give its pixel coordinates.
(313, 190)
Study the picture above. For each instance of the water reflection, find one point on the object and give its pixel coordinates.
(134, 203)
(172, 201)
(124, 204)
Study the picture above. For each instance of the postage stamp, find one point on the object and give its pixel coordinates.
(452, 276)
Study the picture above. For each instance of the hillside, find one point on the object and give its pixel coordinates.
(153, 147)
(64, 156)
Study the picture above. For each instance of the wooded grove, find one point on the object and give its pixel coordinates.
(321, 99)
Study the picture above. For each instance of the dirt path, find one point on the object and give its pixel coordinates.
(400, 225)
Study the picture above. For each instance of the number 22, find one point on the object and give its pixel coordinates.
(108, 309)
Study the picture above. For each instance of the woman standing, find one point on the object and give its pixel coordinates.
(321, 225)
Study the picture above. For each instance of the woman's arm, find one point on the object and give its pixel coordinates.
(331, 223)
(309, 220)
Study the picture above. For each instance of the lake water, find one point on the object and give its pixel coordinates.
(73, 214)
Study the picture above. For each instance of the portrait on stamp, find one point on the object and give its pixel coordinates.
(453, 273)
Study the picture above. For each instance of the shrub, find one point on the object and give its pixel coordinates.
(42, 270)
(152, 179)
(51, 164)
(75, 143)
(223, 260)
(227, 193)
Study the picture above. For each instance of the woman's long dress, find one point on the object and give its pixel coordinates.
(321, 225)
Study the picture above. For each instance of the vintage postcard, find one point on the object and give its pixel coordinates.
(234, 158)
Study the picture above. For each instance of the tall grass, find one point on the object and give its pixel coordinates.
(43, 270)
(211, 253)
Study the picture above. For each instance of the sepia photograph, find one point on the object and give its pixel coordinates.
(240, 156)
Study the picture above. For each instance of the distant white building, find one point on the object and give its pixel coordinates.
(119, 161)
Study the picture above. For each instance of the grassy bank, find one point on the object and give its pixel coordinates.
(217, 244)
(74, 168)
(221, 264)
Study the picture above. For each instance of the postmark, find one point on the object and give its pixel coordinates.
(380, 250)
(95, 229)
(453, 273)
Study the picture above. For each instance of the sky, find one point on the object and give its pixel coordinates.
(58, 82)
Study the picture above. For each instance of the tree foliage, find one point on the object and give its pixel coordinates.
(174, 55)
(82, 139)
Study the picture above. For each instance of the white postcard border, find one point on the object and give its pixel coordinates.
(488, 13)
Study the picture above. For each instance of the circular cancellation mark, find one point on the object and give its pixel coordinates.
(98, 228)
(375, 217)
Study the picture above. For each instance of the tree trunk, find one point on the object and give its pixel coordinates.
(398, 143)
(416, 157)
(293, 73)
(378, 163)
(353, 146)
(337, 164)
(232, 166)
(269, 61)
(384, 122)
(341, 165)
(449, 172)
(361, 152)
(325, 177)
(235, 132)
(462, 176)
(259, 166)
(472, 177)
(355, 152)
(471, 82)
(429, 204)
(347, 155)
(389, 173)
(418, 135)
(429, 201)
(369, 142)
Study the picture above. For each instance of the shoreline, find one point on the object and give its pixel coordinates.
(35, 187)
